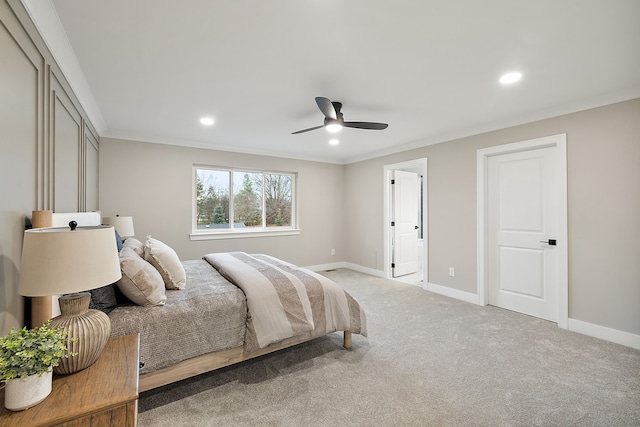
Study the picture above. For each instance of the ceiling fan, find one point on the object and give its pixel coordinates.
(334, 121)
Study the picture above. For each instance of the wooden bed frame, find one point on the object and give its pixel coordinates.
(212, 361)
(209, 361)
(41, 311)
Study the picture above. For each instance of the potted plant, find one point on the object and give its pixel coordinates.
(27, 358)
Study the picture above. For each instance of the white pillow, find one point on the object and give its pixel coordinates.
(166, 261)
(140, 281)
(135, 244)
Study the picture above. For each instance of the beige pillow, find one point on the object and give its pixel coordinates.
(140, 281)
(166, 261)
(135, 244)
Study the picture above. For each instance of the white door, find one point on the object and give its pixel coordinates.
(522, 220)
(405, 218)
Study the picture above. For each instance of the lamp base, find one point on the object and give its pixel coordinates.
(89, 332)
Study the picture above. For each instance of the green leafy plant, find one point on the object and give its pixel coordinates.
(31, 351)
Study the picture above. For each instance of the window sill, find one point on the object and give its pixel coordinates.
(243, 234)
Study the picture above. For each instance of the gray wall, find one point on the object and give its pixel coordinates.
(48, 149)
(153, 183)
(603, 149)
(18, 190)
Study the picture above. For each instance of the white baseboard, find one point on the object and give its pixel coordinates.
(453, 293)
(365, 270)
(604, 333)
(325, 267)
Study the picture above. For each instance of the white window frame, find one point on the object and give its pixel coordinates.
(241, 233)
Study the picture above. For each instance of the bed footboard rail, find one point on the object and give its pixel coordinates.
(212, 361)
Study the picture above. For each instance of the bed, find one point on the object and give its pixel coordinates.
(199, 315)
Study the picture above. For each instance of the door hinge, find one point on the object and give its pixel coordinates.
(393, 181)
(393, 223)
(393, 265)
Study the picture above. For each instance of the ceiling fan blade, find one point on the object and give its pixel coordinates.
(307, 130)
(365, 125)
(326, 107)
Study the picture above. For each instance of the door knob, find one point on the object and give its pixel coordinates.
(550, 242)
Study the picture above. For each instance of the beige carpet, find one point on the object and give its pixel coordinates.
(428, 361)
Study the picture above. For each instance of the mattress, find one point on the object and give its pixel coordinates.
(209, 315)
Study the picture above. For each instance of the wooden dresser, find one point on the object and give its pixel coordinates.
(104, 394)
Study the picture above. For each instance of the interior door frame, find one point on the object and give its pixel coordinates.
(560, 143)
(420, 164)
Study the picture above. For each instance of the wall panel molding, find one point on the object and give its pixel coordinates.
(50, 148)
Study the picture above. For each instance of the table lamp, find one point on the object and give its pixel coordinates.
(122, 224)
(70, 261)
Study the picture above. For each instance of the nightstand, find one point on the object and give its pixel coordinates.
(104, 394)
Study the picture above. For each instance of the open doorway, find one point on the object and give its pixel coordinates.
(405, 222)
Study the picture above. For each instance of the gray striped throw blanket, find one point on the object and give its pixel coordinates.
(286, 301)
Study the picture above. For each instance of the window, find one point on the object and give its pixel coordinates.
(229, 201)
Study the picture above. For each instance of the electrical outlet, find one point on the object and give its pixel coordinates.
(452, 271)
(333, 251)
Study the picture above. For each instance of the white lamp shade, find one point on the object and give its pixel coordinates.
(123, 225)
(61, 261)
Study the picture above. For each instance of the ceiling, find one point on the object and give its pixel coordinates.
(148, 70)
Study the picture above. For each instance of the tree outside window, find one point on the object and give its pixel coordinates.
(212, 198)
(247, 206)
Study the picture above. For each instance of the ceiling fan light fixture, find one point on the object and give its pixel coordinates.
(333, 127)
(334, 121)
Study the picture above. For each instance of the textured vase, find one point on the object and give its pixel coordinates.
(23, 393)
(89, 332)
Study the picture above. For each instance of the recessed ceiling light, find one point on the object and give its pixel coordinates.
(206, 121)
(510, 78)
(334, 142)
